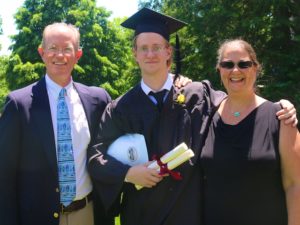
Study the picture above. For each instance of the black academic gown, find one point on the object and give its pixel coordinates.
(171, 202)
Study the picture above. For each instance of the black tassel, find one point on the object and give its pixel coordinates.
(177, 58)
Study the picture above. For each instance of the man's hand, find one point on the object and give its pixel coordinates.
(287, 113)
(143, 176)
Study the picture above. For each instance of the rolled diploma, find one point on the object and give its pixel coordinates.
(178, 150)
(180, 159)
(185, 156)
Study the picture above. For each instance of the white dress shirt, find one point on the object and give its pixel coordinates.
(167, 86)
(80, 132)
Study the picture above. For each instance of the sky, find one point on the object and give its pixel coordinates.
(119, 8)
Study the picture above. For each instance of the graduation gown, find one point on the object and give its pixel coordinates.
(170, 202)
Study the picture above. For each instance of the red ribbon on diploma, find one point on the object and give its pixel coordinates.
(164, 169)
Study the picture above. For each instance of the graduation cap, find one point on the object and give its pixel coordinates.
(147, 20)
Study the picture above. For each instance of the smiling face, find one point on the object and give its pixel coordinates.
(152, 52)
(241, 78)
(60, 52)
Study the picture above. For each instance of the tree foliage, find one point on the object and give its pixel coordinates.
(272, 27)
(1, 31)
(105, 59)
(3, 85)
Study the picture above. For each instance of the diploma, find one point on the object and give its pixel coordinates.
(180, 159)
(178, 150)
(172, 159)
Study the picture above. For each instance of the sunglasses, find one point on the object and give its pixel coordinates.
(240, 64)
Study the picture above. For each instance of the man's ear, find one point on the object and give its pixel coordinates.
(79, 54)
(41, 51)
(170, 51)
(134, 53)
(133, 50)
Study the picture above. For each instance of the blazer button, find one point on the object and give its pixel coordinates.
(57, 190)
(55, 215)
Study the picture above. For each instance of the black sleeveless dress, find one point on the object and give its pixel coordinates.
(241, 171)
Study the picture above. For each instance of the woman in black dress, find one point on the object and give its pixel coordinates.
(250, 161)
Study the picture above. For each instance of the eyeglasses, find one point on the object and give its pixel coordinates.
(156, 49)
(241, 64)
(55, 50)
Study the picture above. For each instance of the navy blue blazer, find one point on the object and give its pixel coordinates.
(28, 165)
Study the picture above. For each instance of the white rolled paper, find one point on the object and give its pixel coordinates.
(177, 159)
(180, 159)
(178, 150)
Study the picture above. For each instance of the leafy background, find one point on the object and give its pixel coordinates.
(272, 27)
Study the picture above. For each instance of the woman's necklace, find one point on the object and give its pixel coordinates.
(238, 113)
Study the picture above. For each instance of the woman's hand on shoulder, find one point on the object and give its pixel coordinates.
(287, 113)
(182, 81)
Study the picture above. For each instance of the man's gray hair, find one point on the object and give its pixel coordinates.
(72, 28)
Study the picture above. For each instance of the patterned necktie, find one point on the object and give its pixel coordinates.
(66, 166)
(159, 96)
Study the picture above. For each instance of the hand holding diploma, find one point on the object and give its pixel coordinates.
(170, 161)
(141, 175)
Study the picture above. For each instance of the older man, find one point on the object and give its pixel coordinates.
(46, 128)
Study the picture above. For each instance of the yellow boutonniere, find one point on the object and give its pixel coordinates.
(180, 99)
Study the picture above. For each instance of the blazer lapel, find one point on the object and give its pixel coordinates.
(41, 115)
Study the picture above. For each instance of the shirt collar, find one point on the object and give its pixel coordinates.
(54, 88)
(167, 85)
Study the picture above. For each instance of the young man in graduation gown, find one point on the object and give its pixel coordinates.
(164, 124)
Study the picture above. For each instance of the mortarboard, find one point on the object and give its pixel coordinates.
(147, 20)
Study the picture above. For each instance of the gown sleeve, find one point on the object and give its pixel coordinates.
(108, 174)
(203, 103)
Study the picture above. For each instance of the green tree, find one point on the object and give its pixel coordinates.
(3, 85)
(1, 31)
(105, 59)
